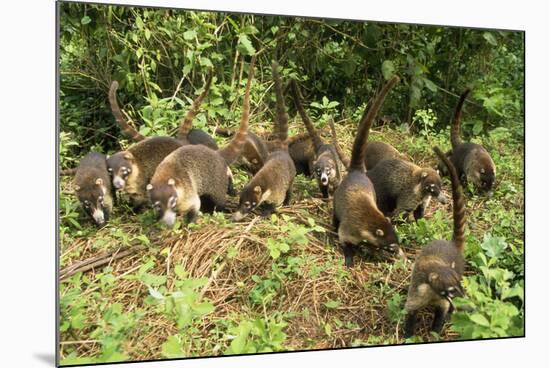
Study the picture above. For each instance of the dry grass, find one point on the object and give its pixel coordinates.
(363, 292)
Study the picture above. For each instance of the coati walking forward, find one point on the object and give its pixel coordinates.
(271, 187)
(472, 161)
(186, 134)
(324, 164)
(356, 217)
(402, 186)
(93, 187)
(437, 272)
(194, 175)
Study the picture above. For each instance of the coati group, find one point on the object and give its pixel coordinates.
(189, 174)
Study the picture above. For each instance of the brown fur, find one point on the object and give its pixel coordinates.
(127, 130)
(402, 186)
(324, 164)
(93, 187)
(142, 159)
(356, 217)
(472, 161)
(271, 187)
(187, 121)
(437, 272)
(196, 177)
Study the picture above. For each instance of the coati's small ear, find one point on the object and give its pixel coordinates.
(424, 174)
(257, 189)
(171, 182)
(453, 265)
(77, 188)
(389, 219)
(107, 157)
(379, 232)
(149, 187)
(99, 181)
(433, 276)
(482, 171)
(127, 156)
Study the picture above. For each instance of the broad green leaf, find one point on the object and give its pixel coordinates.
(480, 319)
(332, 304)
(172, 348)
(489, 37)
(245, 45)
(189, 35)
(85, 20)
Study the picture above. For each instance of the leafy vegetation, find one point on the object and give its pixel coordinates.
(279, 284)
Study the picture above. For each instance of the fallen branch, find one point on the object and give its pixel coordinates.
(97, 261)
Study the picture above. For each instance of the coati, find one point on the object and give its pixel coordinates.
(375, 152)
(195, 175)
(356, 217)
(437, 272)
(93, 187)
(254, 152)
(324, 164)
(185, 133)
(271, 187)
(132, 169)
(472, 161)
(402, 186)
(302, 152)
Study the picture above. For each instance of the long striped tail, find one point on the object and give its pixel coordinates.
(357, 161)
(281, 119)
(341, 154)
(459, 206)
(232, 151)
(455, 126)
(126, 128)
(317, 141)
(187, 121)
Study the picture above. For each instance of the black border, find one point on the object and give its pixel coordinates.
(57, 188)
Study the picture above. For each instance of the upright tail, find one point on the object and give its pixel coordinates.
(317, 141)
(458, 200)
(187, 121)
(341, 154)
(357, 161)
(127, 130)
(455, 127)
(232, 151)
(281, 119)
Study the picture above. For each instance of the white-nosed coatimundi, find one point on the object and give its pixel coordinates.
(93, 187)
(324, 164)
(356, 217)
(133, 168)
(472, 161)
(195, 177)
(402, 186)
(437, 272)
(374, 153)
(271, 187)
(186, 134)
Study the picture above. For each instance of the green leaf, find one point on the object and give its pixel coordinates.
(480, 319)
(189, 35)
(147, 34)
(85, 20)
(172, 348)
(245, 45)
(332, 304)
(139, 22)
(430, 85)
(180, 272)
(489, 37)
(203, 308)
(388, 69)
(155, 293)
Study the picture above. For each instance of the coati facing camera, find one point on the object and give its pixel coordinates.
(472, 161)
(93, 187)
(356, 217)
(194, 174)
(438, 269)
(375, 152)
(271, 187)
(402, 186)
(133, 168)
(185, 134)
(325, 164)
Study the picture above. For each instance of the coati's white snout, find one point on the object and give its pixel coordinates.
(238, 216)
(324, 178)
(442, 199)
(118, 182)
(98, 216)
(169, 217)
